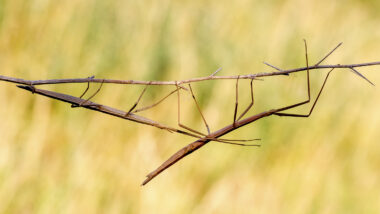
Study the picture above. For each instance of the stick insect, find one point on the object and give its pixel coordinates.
(185, 85)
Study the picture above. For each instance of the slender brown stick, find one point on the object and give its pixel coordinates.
(138, 82)
(332, 51)
(361, 75)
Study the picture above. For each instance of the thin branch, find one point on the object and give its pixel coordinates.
(332, 51)
(361, 75)
(272, 66)
(199, 79)
(213, 74)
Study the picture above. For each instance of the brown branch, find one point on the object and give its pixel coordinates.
(199, 79)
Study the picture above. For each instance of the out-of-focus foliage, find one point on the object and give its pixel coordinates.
(54, 159)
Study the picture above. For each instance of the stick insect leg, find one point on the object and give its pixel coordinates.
(227, 141)
(199, 109)
(250, 105)
(155, 104)
(138, 100)
(220, 140)
(312, 108)
(237, 99)
(93, 95)
(308, 86)
(85, 91)
(179, 116)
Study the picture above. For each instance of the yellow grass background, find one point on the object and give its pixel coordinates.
(54, 159)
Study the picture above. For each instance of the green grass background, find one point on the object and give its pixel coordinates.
(54, 159)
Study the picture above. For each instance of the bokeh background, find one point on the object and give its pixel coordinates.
(54, 159)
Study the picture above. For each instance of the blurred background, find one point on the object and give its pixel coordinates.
(54, 159)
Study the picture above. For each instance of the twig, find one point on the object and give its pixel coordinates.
(199, 79)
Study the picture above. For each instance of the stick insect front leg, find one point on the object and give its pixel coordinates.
(85, 102)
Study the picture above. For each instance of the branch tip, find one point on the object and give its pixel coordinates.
(213, 74)
(361, 75)
(327, 55)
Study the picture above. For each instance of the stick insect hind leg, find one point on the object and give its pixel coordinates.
(279, 111)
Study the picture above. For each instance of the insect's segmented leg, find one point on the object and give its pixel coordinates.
(312, 108)
(93, 95)
(138, 100)
(85, 91)
(201, 135)
(308, 92)
(179, 116)
(199, 109)
(308, 86)
(250, 105)
(237, 99)
(155, 104)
